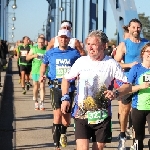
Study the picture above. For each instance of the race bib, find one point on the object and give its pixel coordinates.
(61, 71)
(95, 117)
(24, 53)
(40, 56)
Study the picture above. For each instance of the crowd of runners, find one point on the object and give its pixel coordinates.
(84, 78)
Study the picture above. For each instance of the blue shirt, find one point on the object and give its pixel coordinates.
(133, 51)
(141, 98)
(59, 62)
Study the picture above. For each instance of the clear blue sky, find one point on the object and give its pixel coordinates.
(31, 14)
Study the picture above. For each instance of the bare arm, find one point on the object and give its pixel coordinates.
(124, 89)
(65, 91)
(18, 53)
(79, 47)
(65, 86)
(43, 69)
(31, 55)
(50, 44)
(119, 55)
(136, 88)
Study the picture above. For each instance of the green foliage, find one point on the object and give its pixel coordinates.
(145, 20)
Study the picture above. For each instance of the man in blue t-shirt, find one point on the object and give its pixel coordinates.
(59, 61)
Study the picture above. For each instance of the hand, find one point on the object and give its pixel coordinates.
(145, 85)
(65, 106)
(42, 78)
(35, 56)
(132, 64)
(110, 94)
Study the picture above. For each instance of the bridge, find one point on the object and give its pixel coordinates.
(85, 16)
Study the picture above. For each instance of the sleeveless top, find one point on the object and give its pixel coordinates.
(24, 50)
(133, 51)
(71, 42)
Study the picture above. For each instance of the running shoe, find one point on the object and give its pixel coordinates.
(121, 145)
(63, 140)
(27, 86)
(134, 146)
(42, 106)
(30, 84)
(19, 81)
(130, 132)
(23, 91)
(36, 106)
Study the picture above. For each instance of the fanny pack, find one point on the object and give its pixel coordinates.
(57, 84)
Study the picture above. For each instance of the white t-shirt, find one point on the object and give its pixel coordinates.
(94, 74)
(71, 42)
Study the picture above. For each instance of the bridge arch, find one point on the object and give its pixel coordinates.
(85, 15)
(90, 14)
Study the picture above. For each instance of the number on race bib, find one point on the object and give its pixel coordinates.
(60, 72)
(95, 117)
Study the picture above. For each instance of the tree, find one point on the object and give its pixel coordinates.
(145, 20)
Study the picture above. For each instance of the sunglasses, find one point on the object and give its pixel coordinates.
(68, 28)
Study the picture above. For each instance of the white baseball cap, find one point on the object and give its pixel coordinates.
(64, 32)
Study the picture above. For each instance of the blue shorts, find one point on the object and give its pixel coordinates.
(35, 77)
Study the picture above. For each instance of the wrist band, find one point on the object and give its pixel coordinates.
(65, 97)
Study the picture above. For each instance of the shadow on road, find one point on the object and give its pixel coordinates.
(7, 112)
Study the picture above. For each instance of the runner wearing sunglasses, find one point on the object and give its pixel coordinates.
(74, 43)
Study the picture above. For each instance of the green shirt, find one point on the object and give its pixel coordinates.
(36, 62)
(24, 50)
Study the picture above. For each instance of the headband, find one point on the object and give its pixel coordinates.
(65, 24)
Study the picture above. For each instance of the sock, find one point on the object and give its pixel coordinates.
(23, 88)
(130, 120)
(36, 101)
(122, 135)
(56, 130)
(41, 102)
(63, 129)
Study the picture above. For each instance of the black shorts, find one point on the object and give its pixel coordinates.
(56, 95)
(126, 99)
(98, 132)
(26, 68)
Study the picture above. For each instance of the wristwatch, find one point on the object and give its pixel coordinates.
(117, 93)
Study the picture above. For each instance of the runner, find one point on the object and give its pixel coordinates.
(15, 55)
(36, 55)
(129, 130)
(139, 76)
(25, 66)
(74, 43)
(59, 60)
(92, 112)
(46, 42)
(128, 50)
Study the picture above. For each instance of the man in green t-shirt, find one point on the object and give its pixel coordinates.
(36, 55)
(25, 66)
